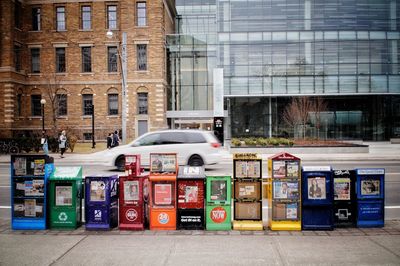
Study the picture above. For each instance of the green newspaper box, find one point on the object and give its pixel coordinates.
(218, 205)
(65, 201)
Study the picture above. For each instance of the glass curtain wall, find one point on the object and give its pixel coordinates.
(192, 55)
(345, 51)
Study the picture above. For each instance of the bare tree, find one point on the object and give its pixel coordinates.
(52, 88)
(319, 106)
(297, 113)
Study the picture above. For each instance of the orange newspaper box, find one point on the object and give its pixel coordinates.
(163, 171)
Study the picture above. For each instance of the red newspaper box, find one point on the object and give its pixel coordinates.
(132, 165)
(133, 197)
(163, 171)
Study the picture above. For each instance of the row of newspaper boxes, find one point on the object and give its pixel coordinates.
(169, 198)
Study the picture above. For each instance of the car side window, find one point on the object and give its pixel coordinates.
(153, 139)
(172, 138)
(195, 138)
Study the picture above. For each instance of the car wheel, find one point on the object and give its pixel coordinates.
(196, 160)
(120, 163)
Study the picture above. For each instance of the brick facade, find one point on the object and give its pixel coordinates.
(160, 16)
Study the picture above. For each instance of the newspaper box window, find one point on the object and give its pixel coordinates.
(284, 197)
(218, 203)
(101, 202)
(133, 198)
(370, 197)
(163, 172)
(66, 197)
(191, 194)
(317, 198)
(247, 180)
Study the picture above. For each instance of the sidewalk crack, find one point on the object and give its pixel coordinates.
(65, 253)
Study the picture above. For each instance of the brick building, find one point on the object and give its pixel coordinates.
(59, 51)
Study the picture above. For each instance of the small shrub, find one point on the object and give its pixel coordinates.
(72, 140)
(262, 141)
(250, 141)
(273, 141)
(236, 142)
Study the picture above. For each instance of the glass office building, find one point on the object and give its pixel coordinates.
(345, 52)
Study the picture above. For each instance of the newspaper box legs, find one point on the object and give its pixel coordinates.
(370, 197)
(65, 198)
(317, 192)
(218, 208)
(163, 171)
(101, 202)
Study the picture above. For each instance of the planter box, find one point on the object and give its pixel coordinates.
(303, 150)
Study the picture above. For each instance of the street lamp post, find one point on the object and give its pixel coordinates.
(93, 142)
(43, 102)
(123, 58)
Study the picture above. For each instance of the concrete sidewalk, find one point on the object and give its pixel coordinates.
(352, 246)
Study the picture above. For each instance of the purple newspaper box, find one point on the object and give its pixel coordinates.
(101, 202)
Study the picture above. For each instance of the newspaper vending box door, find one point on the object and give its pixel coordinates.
(191, 194)
(65, 197)
(370, 197)
(101, 202)
(29, 176)
(163, 171)
(218, 206)
(344, 202)
(284, 192)
(133, 194)
(317, 192)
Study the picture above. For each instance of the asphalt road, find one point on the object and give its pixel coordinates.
(392, 179)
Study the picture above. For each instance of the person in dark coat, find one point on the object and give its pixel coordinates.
(110, 141)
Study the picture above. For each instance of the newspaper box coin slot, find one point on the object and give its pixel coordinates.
(65, 199)
(29, 178)
(163, 171)
(317, 192)
(344, 201)
(191, 194)
(101, 202)
(370, 189)
(218, 203)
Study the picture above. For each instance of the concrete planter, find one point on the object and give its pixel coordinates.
(303, 150)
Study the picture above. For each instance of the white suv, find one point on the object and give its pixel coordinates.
(193, 147)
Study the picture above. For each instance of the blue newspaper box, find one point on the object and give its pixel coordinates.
(317, 198)
(101, 202)
(29, 178)
(370, 197)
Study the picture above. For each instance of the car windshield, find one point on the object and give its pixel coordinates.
(152, 139)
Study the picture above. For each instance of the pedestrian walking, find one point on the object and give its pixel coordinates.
(45, 143)
(115, 139)
(62, 143)
(110, 141)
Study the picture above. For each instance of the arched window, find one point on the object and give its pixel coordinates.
(112, 95)
(87, 101)
(142, 98)
(62, 102)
